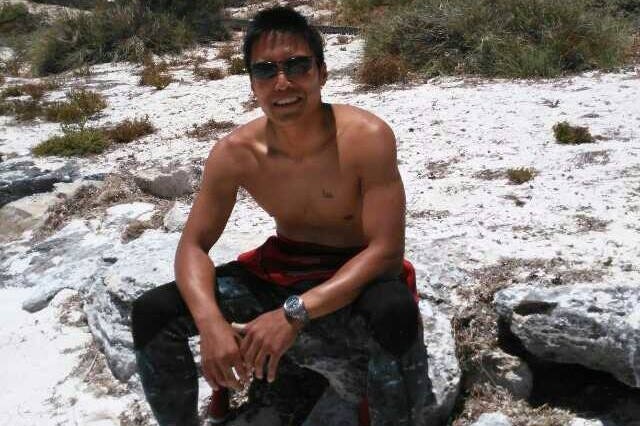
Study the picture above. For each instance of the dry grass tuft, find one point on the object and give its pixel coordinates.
(236, 66)
(486, 398)
(565, 133)
(250, 104)
(591, 224)
(227, 52)
(129, 130)
(343, 39)
(80, 105)
(206, 130)
(520, 175)
(208, 73)
(136, 228)
(155, 74)
(383, 70)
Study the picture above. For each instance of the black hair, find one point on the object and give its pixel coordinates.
(285, 20)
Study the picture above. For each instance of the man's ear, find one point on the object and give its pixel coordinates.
(323, 74)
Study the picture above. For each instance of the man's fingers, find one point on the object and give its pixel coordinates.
(239, 328)
(213, 376)
(273, 367)
(258, 364)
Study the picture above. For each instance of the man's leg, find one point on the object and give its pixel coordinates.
(162, 324)
(398, 384)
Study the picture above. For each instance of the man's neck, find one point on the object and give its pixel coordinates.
(304, 137)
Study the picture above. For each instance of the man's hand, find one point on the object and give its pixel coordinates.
(268, 336)
(220, 353)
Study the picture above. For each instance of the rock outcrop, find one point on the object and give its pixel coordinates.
(168, 181)
(597, 326)
(22, 178)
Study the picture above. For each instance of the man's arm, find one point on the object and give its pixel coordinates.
(383, 221)
(195, 272)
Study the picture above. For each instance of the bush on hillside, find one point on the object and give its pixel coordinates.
(130, 130)
(236, 66)
(382, 70)
(155, 74)
(202, 16)
(74, 142)
(565, 133)
(15, 19)
(510, 38)
(358, 12)
(79, 106)
(122, 31)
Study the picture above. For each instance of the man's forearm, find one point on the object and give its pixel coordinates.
(195, 277)
(350, 280)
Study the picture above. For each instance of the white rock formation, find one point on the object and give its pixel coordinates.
(594, 325)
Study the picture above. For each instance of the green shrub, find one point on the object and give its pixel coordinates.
(73, 143)
(510, 38)
(520, 175)
(565, 133)
(236, 66)
(129, 130)
(358, 12)
(16, 20)
(203, 17)
(12, 91)
(26, 110)
(79, 106)
(125, 30)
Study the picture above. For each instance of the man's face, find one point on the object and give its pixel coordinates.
(285, 99)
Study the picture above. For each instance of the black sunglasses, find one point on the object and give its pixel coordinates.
(292, 67)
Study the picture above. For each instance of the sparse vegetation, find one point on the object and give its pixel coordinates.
(206, 130)
(359, 12)
(565, 133)
(73, 142)
(510, 38)
(26, 110)
(155, 74)
(208, 73)
(80, 105)
(382, 70)
(520, 175)
(124, 31)
(236, 66)
(16, 20)
(226, 52)
(129, 130)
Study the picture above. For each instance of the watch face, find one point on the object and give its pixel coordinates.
(292, 303)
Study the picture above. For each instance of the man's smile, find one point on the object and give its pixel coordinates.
(291, 100)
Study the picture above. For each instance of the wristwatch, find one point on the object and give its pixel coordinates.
(294, 309)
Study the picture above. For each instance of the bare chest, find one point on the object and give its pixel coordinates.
(315, 193)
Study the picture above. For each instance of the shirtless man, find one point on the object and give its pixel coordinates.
(328, 176)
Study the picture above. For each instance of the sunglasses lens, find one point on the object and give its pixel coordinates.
(297, 66)
(264, 70)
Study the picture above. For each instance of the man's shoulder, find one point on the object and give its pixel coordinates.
(237, 150)
(365, 138)
(352, 119)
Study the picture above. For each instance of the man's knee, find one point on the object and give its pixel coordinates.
(153, 310)
(392, 314)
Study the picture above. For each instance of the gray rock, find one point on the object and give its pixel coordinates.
(586, 422)
(142, 264)
(594, 325)
(69, 259)
(168, 182)
(492, 419)
(176, 217)
(31, 212)
(444, 369)
(507, 371)
(20, 179)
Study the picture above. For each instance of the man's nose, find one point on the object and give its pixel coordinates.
(282, 82)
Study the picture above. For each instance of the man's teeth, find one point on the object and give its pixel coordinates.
(286, 101)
